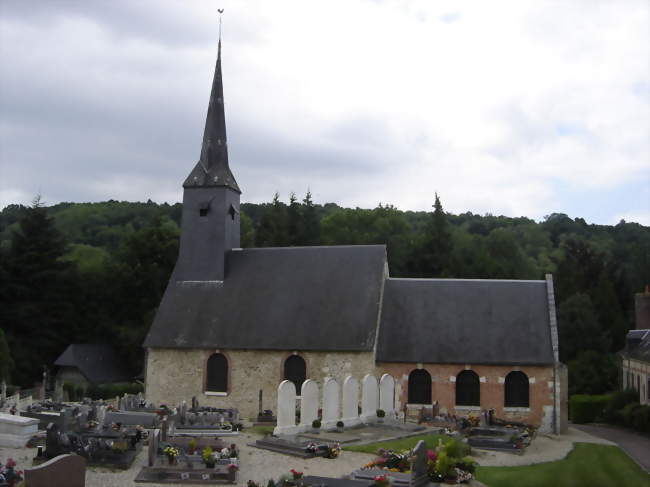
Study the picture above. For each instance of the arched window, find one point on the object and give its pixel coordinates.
(217, 373)
(516, 390)
(468, 389)
(419, 387)
(295, 370)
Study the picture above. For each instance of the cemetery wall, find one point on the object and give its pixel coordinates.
(174, 375)
(492, 377)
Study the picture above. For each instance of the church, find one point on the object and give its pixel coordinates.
(234, 322)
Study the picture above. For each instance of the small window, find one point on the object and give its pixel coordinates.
(517, 390)
(295, 370)
(419, 387)
(217, 374)
(468, 389)
(203, 212)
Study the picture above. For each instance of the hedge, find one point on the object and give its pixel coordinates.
(584, 408)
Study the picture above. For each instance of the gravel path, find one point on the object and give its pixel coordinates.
(261, 465)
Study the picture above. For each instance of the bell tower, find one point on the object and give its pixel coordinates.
(210, 224)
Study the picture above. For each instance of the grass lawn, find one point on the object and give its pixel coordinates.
(431, 441)
(588, 465)
(259, 430)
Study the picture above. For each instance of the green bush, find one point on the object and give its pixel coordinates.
(628, 411)
(456, 448)
(584, 408)
(617, 402)
(641, 419)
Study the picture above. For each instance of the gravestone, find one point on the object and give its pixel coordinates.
(286, 409)
(369, 399)
(154, 439)
(52, 444)
(195, 403)
(387, 394)
(101, 415)
(350, 416)
(331, 400)
(419, 472)
(308, 404)
(259, 406)
(183, 412)
(62, 471)
(163, 428)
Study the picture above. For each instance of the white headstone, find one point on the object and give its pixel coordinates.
(308, 404)
(369, 398)
(350, 401)
(101, 415)
(387, 394)
(331, 399)
(286, 409)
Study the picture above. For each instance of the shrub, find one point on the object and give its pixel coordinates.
(628, 411)
(584, 408)
(339, 424)
(381, 413)
(316, 423)
(641, 418)
(109, 391)
(617, 402)
(455, 448)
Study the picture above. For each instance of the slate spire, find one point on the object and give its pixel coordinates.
(212, 168)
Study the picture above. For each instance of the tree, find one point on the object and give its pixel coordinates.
(272, 231)
(437, 243)
(592, 372)
(579, 329)
(6, 362)
(37, 311)
(294, 221)
(311, 223)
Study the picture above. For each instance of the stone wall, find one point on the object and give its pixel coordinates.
(174, 375)
(492, 377)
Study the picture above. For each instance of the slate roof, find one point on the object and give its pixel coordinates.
(213, 168)
(293, 298)
(465, 321)
(638, 345)
(97, 362)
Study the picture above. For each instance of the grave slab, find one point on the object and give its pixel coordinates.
(15, 431)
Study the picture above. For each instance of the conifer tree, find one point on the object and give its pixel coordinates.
(437, 247)
(311, 224)
(294, 221)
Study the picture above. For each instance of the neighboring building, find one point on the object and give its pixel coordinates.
(90, 364)
(234, 321)
(635, 362)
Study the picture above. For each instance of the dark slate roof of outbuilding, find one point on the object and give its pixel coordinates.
(465, 321)
(293, 298)
(640, 350)
(97, 362)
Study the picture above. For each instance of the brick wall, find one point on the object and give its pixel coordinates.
(443, 388)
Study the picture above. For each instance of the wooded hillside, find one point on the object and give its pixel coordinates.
(95, 272)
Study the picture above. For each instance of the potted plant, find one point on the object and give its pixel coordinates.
(171, 453)
(315, 424)
(191, 446)
(381, 481)
(380, 415)
(232, 471)
(339, 426)
(208, 458)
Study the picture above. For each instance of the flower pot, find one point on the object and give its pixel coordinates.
(170, 460)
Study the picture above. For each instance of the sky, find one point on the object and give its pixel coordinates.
(520, 108)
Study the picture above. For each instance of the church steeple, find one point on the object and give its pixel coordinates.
(212, 168)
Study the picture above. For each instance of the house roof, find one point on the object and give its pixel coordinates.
(97, 362)
(465, 321)
(638, 345)
(293, 298)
